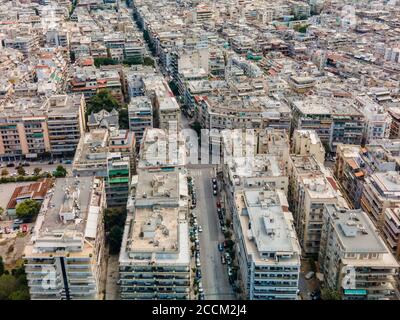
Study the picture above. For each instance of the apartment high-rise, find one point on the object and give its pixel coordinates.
(307, 143)
(64, 257)
(154, 261)
(381, 191)
(310, 188)
(33, 127)
(140, 113)
(268, 250)
(353, 257)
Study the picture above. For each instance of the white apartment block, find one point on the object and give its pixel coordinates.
(381, 191)
(154, 261)
(353, 257)
(310, 189)
(268, 251)
(64, 257)
(307, 143)
(140, 114)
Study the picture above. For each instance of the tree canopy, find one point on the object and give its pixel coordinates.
(27, 209)
(14, 286)
(114, 220)
(102, 100)
(60, 172)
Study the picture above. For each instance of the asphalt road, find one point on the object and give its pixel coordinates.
(214, 273)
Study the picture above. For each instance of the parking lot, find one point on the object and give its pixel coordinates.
(12, 244)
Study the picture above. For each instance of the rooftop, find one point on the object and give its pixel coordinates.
(271, 226)
(355, 231)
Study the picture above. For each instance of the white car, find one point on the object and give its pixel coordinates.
(309, 275)
(200, 229)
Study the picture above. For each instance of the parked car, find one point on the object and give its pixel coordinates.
(26, 164)
(316, 295)
(214, 180)
(51, 162)
(220, 247)
(18, 221)
(9, 165)
(200, 229)
(309, 275)
(214, 192)
(223, 260)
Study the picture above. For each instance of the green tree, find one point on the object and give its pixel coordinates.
(104, 62)
(123, 118)
(22, 294)
(72, 56)
(36, 171)
(102, 100)
(1, 211)
(60, 172)
(114, 217)
(21, 171)
(329, 294)
(8, 285)
(147, 61)
(4, 172)
(133, 61)
(27, 209)
(115, 238)
(1, 266)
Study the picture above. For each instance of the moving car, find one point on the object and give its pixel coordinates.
(200, 229)
(223, 260)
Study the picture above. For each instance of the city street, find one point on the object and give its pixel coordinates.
(214, 273)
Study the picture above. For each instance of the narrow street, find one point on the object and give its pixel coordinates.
(214, 273)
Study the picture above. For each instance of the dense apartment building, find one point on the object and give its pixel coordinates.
(353, 257)
(140, 114)
(336, 120)
(243, 111)
(154, 261)
(310, 188)
(354, 163)
(64, 257)
(394, 112)
(89, 80)
(91, 154)
(391, 230)
(307, 143)
(34, 127)
(268, 251)
(378, 120)
(110, 155)
(381, 191)
(161, 150)
(117, 180)
(166, 108)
